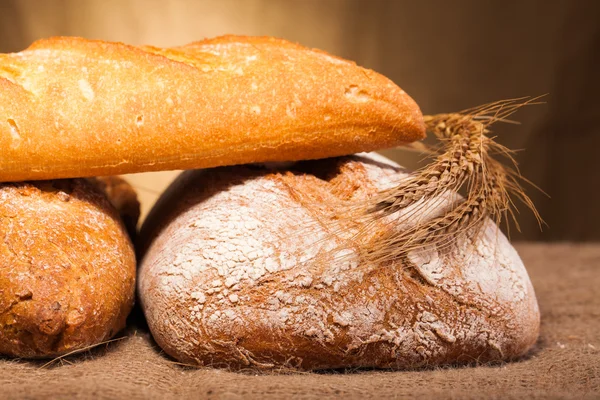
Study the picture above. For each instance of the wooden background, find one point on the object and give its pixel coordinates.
(449, 55)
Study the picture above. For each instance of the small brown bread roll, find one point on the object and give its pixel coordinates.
(235, 276)
(123, 198)
(67, 268)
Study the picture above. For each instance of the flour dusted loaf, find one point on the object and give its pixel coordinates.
(67, 266)
(233, 277)
(71, 107)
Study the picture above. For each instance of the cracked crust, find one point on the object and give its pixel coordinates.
(67, 268)
(71, 107)
(226, 282)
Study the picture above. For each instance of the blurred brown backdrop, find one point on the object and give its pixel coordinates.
(449, 55)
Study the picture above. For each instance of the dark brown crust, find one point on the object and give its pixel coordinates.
(71, 107)
(67, 268)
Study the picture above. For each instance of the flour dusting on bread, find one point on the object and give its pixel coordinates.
(229, 281)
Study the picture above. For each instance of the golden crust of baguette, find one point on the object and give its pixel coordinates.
(71, 107)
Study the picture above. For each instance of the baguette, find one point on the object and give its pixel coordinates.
(235, 276)
(71, 107)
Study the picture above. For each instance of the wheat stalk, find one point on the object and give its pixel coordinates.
(424, 209)
(464, 160)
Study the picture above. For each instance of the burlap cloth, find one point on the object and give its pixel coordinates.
(564, 364)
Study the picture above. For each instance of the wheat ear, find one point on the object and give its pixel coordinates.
(463, 161)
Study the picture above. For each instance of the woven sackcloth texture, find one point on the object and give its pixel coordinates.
(564, 364)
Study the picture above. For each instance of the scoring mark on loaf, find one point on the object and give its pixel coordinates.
(291, 108)
(15, 133)
(356, 95)
(10, 73)
(86, 90)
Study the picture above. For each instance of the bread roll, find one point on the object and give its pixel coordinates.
(235, 276)
(71, 107)
(123, 198)
(67, 268)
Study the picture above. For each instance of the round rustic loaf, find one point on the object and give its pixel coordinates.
(243, 268)
(67, 268)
